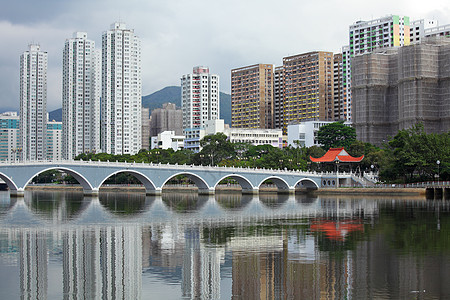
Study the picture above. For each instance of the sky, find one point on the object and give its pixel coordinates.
(177, 35)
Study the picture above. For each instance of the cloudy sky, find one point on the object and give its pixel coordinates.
(179, 34)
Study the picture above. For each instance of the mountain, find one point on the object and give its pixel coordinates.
(168, 94)
(55, 115)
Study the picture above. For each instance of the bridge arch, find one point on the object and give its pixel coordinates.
(148, 184)
(279, 182)
(199, 181)
(9, 182)
(307, 183)
(87, 186)
(243, 182)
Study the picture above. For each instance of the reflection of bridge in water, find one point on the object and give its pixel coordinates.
(91, 176)
(110, 208)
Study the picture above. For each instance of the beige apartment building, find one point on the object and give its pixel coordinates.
(252, 97)
(308, 88)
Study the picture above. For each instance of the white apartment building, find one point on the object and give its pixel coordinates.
(199, 103)
(9, 137)
(33, 103)
(121, 91)
(199, 97)
(81, 96)
(304, 134)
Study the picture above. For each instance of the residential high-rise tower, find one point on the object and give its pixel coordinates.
(81, 96)
(252, 97)
(199, 97)
(33, 103)
(308, 88)
(121, 91)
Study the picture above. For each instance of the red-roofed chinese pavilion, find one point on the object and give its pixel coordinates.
(337, 155)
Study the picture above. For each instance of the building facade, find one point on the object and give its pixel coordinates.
(199, 97)
(168, 139)
(145, 135)
(308, 87)
(33, 103)
(254, 136)
(278, 97)
(81, 96)
(121, 91)
(395, 89)
(54, 140)
(199, 104)
(252, 96)
(167, 118)
(339, 90)
(9, 137)
(424, 28)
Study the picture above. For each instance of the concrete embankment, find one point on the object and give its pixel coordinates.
(324, 191)
(373, 191)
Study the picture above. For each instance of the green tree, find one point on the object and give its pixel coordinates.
(336, 135)
(414, 154)
(215, 148)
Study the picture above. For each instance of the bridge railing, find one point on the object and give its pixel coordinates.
(177, 166)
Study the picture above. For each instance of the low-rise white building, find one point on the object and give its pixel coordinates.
(168, 139)
(254, 136)
(306, 133)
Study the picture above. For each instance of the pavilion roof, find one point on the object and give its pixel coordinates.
(337, 154)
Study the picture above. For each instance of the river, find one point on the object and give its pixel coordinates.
(61, 245)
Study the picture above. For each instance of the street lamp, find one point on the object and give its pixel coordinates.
(281, 164)
(212, 159)
(438, 163)
(337, 173)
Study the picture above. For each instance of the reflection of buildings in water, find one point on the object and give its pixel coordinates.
(258, 267)
(397, 275)
(201, 268)
(335, 207)
(163, 246)
(287, 265)
(33, 258)
(103, 261)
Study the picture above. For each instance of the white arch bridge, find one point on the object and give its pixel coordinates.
(91, 175)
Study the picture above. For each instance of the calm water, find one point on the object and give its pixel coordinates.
(227, 246)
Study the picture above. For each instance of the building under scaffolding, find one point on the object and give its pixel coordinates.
(394, 89)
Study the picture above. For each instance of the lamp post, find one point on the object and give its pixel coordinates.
(157, 156)
(281, 164)
(14, 154)
(438, 162)
(337, 173)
